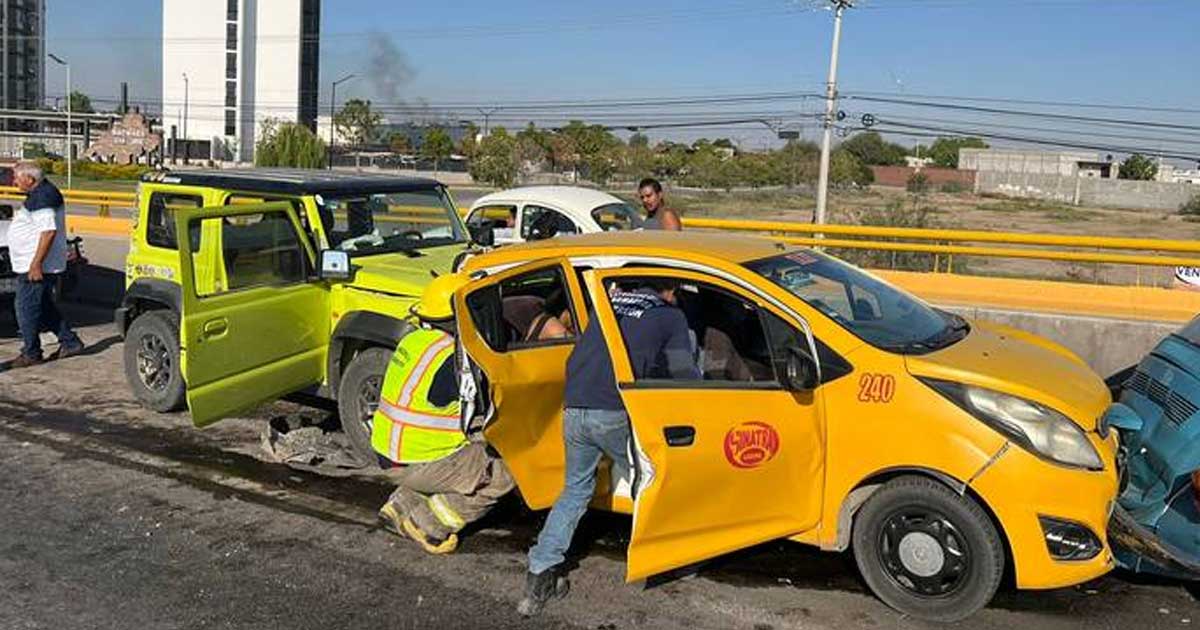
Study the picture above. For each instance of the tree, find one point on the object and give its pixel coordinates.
(469, 143)
(846, 170)
(399, 143)
(437, 145)
(532, 145)
(590, 146)
(495, 162)
(289, 144)
(81, 103)
(357, 122)
(1140, 167)
(871, 149)
(944, 151)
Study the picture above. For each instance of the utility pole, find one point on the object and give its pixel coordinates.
(333, 114)
(187, 151)
(70, 146)
(839, 7)
(487, 113)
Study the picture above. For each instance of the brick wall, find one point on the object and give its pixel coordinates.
(898, 176)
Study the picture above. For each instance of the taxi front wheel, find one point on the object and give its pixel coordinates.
(927, 551)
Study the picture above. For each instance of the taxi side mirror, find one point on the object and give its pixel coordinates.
(800, 372)
(483, 235)
(335, 265)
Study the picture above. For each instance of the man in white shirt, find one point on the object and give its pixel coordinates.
(37, 245)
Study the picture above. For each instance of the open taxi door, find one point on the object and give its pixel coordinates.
(719, 465)
(524, 378)
(257, 328)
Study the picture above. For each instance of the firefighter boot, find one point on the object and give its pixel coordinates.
(427, 542)
(541, 588)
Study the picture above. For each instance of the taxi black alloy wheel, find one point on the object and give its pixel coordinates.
(152, 361)
(358, 397)
(927, 551)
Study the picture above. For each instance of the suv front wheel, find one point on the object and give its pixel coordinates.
(358, 398)
(152, 361)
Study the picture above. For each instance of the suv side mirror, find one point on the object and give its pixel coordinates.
(800, 372)
(335, 265)
(483, 235)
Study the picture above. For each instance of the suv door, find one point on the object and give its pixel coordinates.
(262, 329)
(732, 459)
(525, 377)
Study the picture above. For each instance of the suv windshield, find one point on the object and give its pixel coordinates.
(874, 311)
(616, 216)
(391, 221)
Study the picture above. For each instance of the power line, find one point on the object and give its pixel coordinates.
(1044, 103)
(1032, 114)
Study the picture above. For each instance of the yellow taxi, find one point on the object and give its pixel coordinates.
(834, 410)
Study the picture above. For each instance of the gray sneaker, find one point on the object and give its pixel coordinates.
(541, 588)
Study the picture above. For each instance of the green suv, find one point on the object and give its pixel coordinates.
(290, 282)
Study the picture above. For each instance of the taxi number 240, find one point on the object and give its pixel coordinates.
(876, 388)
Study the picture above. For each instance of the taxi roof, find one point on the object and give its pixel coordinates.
(734, 248)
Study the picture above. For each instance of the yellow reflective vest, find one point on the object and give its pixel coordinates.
(407, 428)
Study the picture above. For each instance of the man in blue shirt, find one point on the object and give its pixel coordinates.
(37, 242)
(595, 422)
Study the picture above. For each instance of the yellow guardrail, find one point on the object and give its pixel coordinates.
(944, 244)
(1058, 247)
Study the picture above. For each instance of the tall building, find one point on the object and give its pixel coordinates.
(23, 71)
(230, 66)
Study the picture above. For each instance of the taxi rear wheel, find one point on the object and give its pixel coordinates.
(358, 398)
(927, 551)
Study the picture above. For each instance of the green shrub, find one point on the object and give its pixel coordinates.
(917, 183)
(954, 187)
(1192, 207)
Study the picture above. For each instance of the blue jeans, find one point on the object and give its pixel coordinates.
(37, 313)
(588, 434)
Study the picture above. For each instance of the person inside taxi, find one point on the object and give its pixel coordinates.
(658, 215)
(595, 422)
(447, 477)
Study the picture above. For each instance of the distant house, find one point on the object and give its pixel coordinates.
(1169, 173)
(1061, 163)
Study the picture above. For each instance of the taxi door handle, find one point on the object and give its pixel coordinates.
(214, 328)
(679, 436)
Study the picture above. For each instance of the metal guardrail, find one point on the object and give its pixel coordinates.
(941, 243)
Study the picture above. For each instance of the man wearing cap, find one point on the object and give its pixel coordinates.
(447, 477)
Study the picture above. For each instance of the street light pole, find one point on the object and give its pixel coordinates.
(186, 91)
(840, 7)
(69, 147)
(332, 113)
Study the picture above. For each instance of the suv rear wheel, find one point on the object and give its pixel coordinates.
(358, 397)
(152, 361)
(927, 551)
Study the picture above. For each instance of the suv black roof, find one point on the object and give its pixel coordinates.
(293, 181)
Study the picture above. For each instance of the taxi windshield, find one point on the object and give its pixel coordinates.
(871, 309)
(381, 222)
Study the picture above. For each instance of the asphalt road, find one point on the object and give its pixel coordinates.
(117, 517)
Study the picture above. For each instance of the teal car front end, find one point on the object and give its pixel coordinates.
(1156, 523)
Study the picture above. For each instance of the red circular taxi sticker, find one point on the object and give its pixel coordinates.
(751, 444)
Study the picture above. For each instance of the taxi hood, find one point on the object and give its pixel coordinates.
(401, 274)
(1015, 362)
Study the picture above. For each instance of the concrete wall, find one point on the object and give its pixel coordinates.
(1108, 345)
(1117, 193)
(1064, 163)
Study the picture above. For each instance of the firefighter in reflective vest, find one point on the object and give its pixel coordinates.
(446, 477)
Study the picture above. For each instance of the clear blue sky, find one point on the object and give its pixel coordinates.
(1139, 52)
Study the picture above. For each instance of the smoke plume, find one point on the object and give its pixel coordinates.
(387, 68)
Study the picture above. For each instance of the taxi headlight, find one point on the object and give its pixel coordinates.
(1035, 427)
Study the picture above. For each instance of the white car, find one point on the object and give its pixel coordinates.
(533, 213)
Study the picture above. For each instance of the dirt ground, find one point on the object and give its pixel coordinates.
(115, 516)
